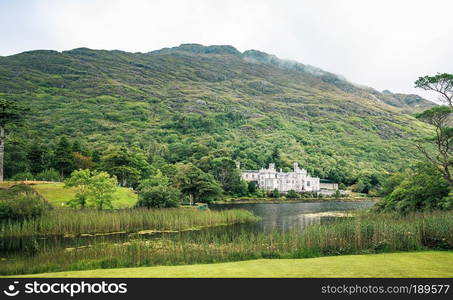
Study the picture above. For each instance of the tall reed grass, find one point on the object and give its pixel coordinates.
(75, 222)
(367, 233)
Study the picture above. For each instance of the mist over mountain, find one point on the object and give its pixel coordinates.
(216, 99)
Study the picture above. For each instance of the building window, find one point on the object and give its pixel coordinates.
(308, 183)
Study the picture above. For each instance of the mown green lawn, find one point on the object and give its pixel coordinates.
(57, 195)
(404, 264)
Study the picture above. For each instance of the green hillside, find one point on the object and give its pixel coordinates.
(190, 101)
(57, 195)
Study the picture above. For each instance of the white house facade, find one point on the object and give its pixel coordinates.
(270, 179)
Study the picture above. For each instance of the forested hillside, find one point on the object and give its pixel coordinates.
(193, 103)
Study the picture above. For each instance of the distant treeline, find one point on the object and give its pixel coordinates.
(131, 164)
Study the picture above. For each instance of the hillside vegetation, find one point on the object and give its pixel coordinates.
(191, 101)
(57, 195)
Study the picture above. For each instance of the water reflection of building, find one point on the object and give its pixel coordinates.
(270, 179)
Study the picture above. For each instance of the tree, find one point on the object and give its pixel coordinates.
(127, 164)
(81, 161)
(9, 112)
(158, 179)
(196, 184)
(93, 188)
(440, 83)
(275, 157)
(15, 159)
(96, 155)
(101, 189)
(367, 181)
(36, 156)
(80, 180)
(419, 188)
(76, 146)
(252, 187)
(228, 175)
(63, 160)
(340, 172)
(156, 191)
(159, 196)
(441, 118)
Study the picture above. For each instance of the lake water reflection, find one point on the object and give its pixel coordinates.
(281, 216)
(284, 216)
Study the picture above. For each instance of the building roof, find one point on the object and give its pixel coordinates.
(326, 181)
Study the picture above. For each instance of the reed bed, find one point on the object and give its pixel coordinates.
(76, 222)
(366, 233)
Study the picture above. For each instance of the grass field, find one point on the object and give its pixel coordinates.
(57, 195)
(407, 264)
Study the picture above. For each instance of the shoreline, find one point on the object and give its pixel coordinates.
(283, 200)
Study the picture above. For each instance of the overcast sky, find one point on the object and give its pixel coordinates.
(385, 44)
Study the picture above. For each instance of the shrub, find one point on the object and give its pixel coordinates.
(5, 210)
(48, 175)
(251, 186)
(159, 196)
(22, 176)
(420, 188)
(293, 194)
(274, 194)
(25, 205)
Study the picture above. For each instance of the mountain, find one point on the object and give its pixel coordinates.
(192, 100)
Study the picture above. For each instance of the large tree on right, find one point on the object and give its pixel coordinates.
(440, 83)
(439, 149)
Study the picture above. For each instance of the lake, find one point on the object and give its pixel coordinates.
(294, 215)
(280, 216)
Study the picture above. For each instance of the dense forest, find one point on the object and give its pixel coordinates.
(132, 114)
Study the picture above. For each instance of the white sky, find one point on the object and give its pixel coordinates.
(385, 44)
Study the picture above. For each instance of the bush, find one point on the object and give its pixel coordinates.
(5, 210)
(22, 176)
(275, 194)
(48, 175)
(251, 186)
(420, 188)
(293, 194)
(159, 197)
(24, 205)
